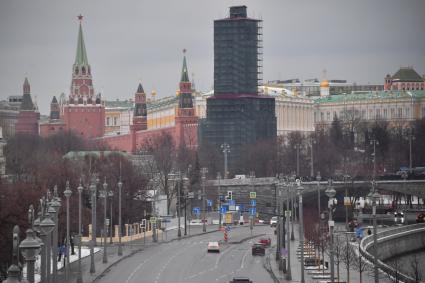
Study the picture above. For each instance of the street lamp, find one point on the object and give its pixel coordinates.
(313, 142)
(219, 200)
(111, 196)
(297, 148)
(175, 178)
(318, 179)
(251, 217)
(119, 218)
(330, 193)
(375, 196)
(30, 248)
(80, 190)
(67, 194)
(55, 203)
(374, 142)
(288, 240)
(411, 138)
(292, 183)
(93, 192)
(185, 191)
(104, 195)
(42, 237)
(13, 274)
(300, 199)
(46, 227)
(225, 147)
(204, 172)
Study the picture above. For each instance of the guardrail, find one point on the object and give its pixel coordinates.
(367, 243)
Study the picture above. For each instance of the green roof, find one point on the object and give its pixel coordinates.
(81, 57)
(407, 74)
(370, 95)
(185, 75)
(162, 102)
(120, 103)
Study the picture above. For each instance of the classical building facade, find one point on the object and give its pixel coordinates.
(406, 78)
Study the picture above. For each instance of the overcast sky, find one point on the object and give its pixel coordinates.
(138, 40)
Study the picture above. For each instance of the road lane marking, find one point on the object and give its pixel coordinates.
(135, 270)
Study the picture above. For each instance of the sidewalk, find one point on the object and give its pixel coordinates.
(129, 249)
(296, 267)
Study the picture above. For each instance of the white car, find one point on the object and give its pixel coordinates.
(273, 221)
(213, 247)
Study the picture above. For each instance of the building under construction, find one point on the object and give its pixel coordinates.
(236, 114)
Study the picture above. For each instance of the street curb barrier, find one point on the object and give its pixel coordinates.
(267, 265)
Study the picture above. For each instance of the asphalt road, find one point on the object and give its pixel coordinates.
(187, 260)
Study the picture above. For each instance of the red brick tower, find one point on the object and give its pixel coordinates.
(139, 115)
(27, 122)
(186, 121)
(84, 113)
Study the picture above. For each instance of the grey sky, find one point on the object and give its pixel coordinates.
(128, 41)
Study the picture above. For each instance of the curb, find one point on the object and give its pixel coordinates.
(267, 266)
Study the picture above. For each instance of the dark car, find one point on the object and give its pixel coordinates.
(240, 280)
(420, 218)
(258, 249)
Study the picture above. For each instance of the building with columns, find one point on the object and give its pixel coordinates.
(406, 78)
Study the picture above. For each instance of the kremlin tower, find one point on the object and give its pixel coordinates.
(27, 122)
(83, 113)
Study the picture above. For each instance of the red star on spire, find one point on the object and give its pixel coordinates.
(184, 50)
(80, 17)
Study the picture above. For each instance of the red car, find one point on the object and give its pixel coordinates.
(420, 218)
(265, 242)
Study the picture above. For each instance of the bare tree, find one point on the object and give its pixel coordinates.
(416, 269)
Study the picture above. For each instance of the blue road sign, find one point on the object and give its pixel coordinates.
(253, 202)
(241, 207)
(252, 211)
(232, 202)
(223, 209)
(228, 228)
(209, 202)
(197, 210)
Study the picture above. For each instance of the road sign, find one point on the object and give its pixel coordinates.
(252, 194)
(143, 224)
(153, 220)
(252, 211)
(232, 207)
(209, 202)
(223, 209)
(197, 210)
(228, 228)
(232, 202)
(191, 195)
(241, 207)
(253, 202)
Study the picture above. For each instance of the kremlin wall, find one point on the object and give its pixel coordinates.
(126, 124)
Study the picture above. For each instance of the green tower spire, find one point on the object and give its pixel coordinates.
(81, 57)
(185, 75)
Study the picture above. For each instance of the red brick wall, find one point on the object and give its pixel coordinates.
(51, 129)
(87, 121)
(27, 123)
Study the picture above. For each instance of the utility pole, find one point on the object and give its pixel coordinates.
(225, 147)
(204, 172)
(219, 200)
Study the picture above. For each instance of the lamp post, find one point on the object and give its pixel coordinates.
(346, 177)
(330, 193)
(300, 199)
(375, 198)
(55, 203)
(312, 142)
(318, 179)
(67, 194)
(93, 221)
(46, 227)
(175, 178)
(119, 218)
(204, 172)
(292, 183)
(251, 218)
(35, 225)
(374, 143)
(219, 200)
(186, 191)
(105, 225)
(297, 148)
(411, 137)
(14, 272)
(225, 147)
(279, 213)
(288, 241)
(30, 248)
(111, 196)
(79, 276)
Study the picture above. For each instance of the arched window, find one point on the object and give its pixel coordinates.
(83, 70)
(76, 70)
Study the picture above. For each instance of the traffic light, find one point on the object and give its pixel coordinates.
(229, 195)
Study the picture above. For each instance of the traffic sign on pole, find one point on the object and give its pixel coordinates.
(209, 202)
(197, 210)
(253, 202)
(252, 211)
(252, 195)
(232, 202)
(223, 209)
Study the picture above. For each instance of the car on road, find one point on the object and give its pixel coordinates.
(265, 241)
(213, 247)
(273, 221)
(240, 280)
(420, 218)
(258, 249)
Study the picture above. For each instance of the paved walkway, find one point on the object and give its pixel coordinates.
(128, 249)
(296, 268)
